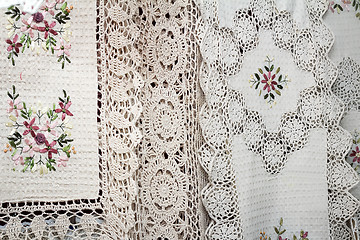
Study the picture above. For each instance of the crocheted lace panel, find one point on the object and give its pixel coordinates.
(263, 46)
(346, 54)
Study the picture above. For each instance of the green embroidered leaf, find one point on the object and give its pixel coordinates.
(17, 134)
(67, 148)
(280, 78)
(278, 92)
(267, 69)
(272, 96)
(257, 85)
(257, 76)
(276, 230)
(283, 231)
(280, 86)
(266, 96)
(277, 70)
(12, 143)
(294, 238)
(261, 71)
(358, 141)
(9, 95)
(339, 7)
(271, 68)
(63, 6)
(281, 221)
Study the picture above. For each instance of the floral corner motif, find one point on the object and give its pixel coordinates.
(342, 5)
(279, 231)
(269, 81)
(40, 136)
(48, 29)
(353, 157)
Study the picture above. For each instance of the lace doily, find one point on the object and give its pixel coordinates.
(169, 178)
(108, 212)
(228, 111)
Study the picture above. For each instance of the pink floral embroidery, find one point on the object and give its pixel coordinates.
(340, 5)
(279, 231)
(39, 139)
(15, 106)
(64, 110)
(63, 48)
(271, 78)
(353, 157)
(13, 47)
(46, 29)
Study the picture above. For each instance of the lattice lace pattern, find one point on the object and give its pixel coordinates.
(346, 53)
(226, 112)
(108, 214)
(170, 177)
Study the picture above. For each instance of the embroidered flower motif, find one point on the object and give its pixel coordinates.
(269, 82)
(35, 150)
(38, 17)
(63, 48)
(52, 20)
(17, 158)
(64, 110)
(273, 81)
(50, 128)
(49, 148)
(48, 28)
(340, 5)
(13, 45)
(63, 161)
(279, 231)
(30, 128)
(28, 26)
(40, 139)
(355, 154)
(15, 106)
(48, 7)
(30, 148)
(353, 157)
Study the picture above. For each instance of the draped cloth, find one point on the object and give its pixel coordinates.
(196, 120)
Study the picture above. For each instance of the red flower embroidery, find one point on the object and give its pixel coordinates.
(49, 148)
(356, 154)
(64, 110)
(48, 28)
(269, 83)
(13, 44)
(30, 128)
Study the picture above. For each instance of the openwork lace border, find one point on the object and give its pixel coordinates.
(318, 107)
(347, 88)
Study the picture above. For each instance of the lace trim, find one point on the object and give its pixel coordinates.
(347, 88)
(169, 205)
(223, 50)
